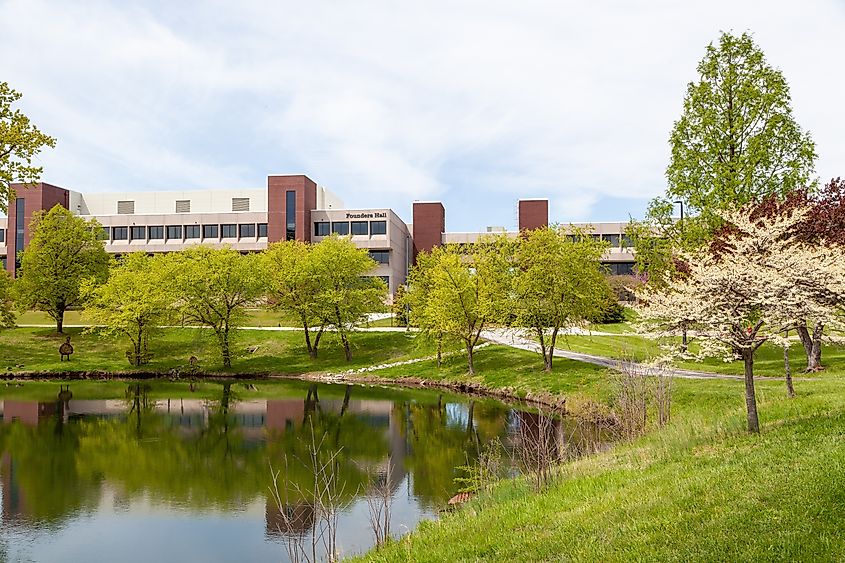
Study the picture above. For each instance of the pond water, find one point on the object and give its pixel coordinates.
(144, 477)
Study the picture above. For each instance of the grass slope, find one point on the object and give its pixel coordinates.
(698, 489)
(36, 349)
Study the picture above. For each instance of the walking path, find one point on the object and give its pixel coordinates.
(509, 337)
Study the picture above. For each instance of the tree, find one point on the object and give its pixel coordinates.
(745, 291)
(293, 286)
(416, 299)
(64, 251)
(7, 314)
(346, 294)
(736, 141)
(470, 289)
(214, 287)
(20, 142)
(136, 299)
(558, 283)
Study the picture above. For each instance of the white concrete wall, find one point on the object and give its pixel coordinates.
(146, 203)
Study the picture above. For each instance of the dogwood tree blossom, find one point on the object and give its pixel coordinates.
(748, 290)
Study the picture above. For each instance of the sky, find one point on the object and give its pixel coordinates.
(475, 104)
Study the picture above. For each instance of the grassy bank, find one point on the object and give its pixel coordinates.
(698, 489)
(281, 352)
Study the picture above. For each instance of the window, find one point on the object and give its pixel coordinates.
(340, 227)
(119, 233)
(621, 268)
(210, 231)
(380, 256)
(2, 235)
(20, 208)
(174, 232)
(290, 215)
(229, 231)
(192, 231)
(125, 207)
(262, 230)
(183, 206)
(156, 232)
(104, 233)
(613, 240)
(138, 233)
(378, 227)
(595, 236)
(321, 229)
(360, 228)
(247, 230)
(240, 204)
(627, 242)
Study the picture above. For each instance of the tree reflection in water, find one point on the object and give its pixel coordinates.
(62, 458)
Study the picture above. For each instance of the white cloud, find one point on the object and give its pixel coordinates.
(388, 102)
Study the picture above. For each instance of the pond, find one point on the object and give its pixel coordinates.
(150, 474)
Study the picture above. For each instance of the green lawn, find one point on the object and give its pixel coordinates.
(699, 489)
(769, 360)
(283, 352)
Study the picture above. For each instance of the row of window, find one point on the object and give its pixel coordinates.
(613, 239)
(380, 256)
(324, 228)
(180, 232)
(621, 268)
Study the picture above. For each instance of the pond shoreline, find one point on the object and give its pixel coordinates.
(548, 400)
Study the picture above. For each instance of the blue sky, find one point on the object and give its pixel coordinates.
(473, 103)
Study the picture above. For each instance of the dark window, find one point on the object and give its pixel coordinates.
(192, 231)
(360, 228)
(247, 230)
(262, 230)
(174, 232)
(19, 230)
(340, 227)
(138, 233)
(380, 256)
(321, 229)
(621, 268)
(157, 232)
(2, 235)
(613, 240)
(104, 233)
(378, 228)
(290, 215)
(210, 231)
(229, 231)
(595, 236)
(627, 242)
(119, 233)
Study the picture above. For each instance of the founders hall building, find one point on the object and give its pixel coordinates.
(292, 207)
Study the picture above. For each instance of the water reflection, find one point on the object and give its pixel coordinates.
(68, 465)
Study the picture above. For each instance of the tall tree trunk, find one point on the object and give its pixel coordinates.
(750, 396)
(787, 369)
(541, 338)
(60, 321)
(812, 345)
(439, 352)
(347, 350)
(684, 340)
(552, 342)
(311, 352)
(470, 366)
(224, 348)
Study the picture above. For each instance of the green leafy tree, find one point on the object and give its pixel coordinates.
(214, 287)
(416, 299)
(737, 141)
(293, 286)
(346, 294)
(64, 252)
(134, 302)
(7, 314)
(20, 142)
(469, 290)
(559, 283)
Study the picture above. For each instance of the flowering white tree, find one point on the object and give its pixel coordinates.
(748, 289)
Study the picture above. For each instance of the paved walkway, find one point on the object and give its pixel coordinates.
(512, 338)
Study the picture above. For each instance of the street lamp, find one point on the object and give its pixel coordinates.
(681, 203)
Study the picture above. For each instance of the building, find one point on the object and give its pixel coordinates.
(292, 207)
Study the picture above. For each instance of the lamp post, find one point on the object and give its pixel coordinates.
(681, 203)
